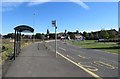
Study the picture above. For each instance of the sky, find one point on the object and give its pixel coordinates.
(87, 16)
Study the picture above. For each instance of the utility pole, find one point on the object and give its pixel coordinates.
(54, 24)
(34, 26)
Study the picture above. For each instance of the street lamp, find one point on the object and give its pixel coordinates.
(54, 24)
(34, 27)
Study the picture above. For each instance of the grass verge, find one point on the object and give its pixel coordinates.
(92, 44)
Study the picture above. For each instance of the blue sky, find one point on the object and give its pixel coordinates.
(70, 16)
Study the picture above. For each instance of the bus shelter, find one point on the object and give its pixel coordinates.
(17, 38)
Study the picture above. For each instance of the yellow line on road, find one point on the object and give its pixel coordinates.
(91, 73)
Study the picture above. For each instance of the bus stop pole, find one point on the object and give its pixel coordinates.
(55, 41)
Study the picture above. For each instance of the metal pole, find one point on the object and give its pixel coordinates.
(14, 44)
(33, 37)
(17, 44)
(55, 42)
(20, 42)
(34, 27)
(55, 25)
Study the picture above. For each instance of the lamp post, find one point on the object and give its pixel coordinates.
(54, 24)
(34, 27)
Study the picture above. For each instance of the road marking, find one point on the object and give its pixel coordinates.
(106, 52)
(83, 57)
(70, 57)
(109, 60)
(91, 73)
(104, 64)
(91, 68)
(62, 48)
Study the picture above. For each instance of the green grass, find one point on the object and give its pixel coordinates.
(108, 47)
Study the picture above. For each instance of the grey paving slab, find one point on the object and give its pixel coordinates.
(36, 61)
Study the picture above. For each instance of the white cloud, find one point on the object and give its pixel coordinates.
(37, 2)
(60, 0)
(11, 3)
(7, 6)
(79, 2)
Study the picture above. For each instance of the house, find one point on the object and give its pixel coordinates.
(62, 36)
(79, 37)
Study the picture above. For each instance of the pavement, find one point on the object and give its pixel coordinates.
(100, 63)
(37, 61)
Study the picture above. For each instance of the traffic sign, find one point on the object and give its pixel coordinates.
(54, 23)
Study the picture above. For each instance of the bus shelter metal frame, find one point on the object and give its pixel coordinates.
(17, 38)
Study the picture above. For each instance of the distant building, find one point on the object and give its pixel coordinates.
(62, 36)
(79, 37)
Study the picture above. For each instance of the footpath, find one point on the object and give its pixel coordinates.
(36, 61)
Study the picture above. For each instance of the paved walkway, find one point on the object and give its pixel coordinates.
(36, 61)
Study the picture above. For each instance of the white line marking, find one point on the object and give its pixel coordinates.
(106, 52)
(70, 57)
(91, 68)
(91, 73)
(83, 57)
(62, 49)
(104, 64)
(108, 60)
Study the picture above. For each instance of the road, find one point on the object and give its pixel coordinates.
(101, 63)
(36, 61)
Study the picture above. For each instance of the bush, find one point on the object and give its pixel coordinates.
(118, 43)
(3, 47)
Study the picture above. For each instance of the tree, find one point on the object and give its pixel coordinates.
(47, 35)
(38, 36)
(65, 31)
(77, 32)
(85, 34)
(72, 36)
(97, 36)
(104, 34)
(52, 36)
(48, 32)
(43, 36)
(91, 36)
(119, 34)
(10, 35)
(112, 35)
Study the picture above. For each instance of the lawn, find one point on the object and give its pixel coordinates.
(92, 44)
